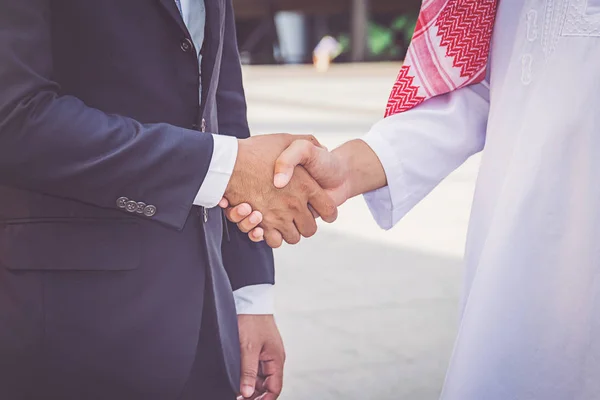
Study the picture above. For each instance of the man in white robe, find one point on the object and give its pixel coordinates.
(530, 326)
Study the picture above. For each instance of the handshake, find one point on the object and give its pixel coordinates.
(281, 183)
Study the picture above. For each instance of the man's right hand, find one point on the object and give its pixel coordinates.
(349, 170)
(285, 211)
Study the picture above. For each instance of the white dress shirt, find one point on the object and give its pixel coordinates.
(255, 299)
(530, 323)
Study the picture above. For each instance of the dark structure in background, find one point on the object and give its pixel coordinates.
(257, 31)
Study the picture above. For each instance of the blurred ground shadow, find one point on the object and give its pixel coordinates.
(364, 320)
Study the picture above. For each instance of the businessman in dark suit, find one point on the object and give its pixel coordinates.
(117, 272)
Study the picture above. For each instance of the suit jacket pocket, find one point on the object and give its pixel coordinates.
(70, 244)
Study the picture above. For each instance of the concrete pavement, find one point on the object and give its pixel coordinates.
(365, 314)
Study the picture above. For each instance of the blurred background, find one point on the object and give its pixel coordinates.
(287, 31)
(365, 314)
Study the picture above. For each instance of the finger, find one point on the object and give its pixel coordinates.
(224, 203)
(273, 387)
(273, 238)
(250, 359)
(260, 384)
(250, 222)
(257, 235)
(313, 212)
(298, 153)
(272, 370)
(318, 200)
(290, 232)
(323, 205)
(305, 223)
(238, 213)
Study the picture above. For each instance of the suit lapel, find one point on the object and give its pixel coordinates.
(171, 8)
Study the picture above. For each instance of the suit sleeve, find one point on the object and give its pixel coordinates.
(247, 263)
(54, 144)
(422, 146)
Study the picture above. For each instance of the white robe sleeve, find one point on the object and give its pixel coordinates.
(422, 146)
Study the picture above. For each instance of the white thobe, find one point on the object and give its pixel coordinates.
(530, 321)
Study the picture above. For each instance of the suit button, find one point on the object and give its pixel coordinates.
(131, 206)
(187, 45)
(122, 202)
(149, 211)
(203, 125)
(140, 207)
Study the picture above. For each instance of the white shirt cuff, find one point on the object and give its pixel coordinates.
(388, 204)
(255, 300)
(219, 171)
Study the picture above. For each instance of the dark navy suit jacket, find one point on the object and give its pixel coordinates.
(99, 111)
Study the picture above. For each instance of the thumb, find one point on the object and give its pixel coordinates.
(250, 360)
(299, 152)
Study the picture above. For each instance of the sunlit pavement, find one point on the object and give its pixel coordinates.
(365, 314)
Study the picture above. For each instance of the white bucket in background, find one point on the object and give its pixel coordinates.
(291, 29)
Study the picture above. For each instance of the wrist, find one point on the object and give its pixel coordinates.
(232, 184)
(341, 163)
(361, 168)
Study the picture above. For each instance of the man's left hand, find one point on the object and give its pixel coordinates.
(263, 357)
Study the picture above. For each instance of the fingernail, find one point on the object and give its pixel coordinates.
(247, 391)
(244, 210)
(254, 219)
(280, 180)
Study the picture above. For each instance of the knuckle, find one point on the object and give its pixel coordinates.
(247, 345)
(250, 372)
(304, 186)
(294, 204)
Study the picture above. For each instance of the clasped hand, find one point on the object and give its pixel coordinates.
(280, 184)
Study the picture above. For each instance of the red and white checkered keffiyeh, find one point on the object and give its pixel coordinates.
(449, 50)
